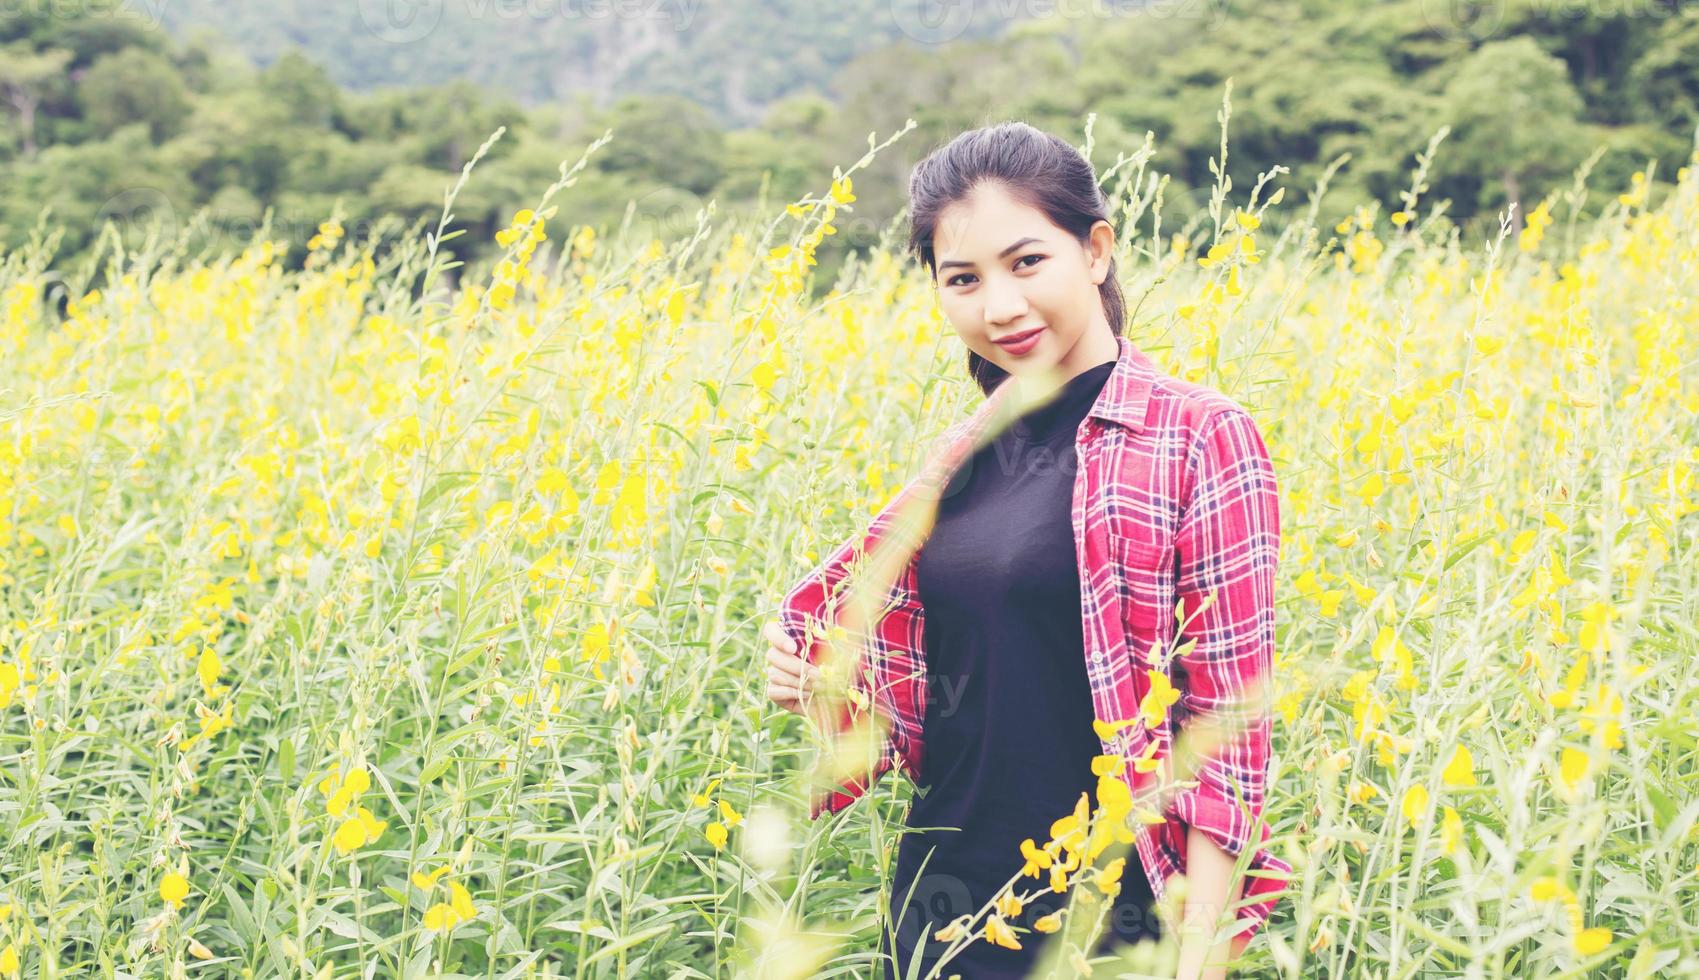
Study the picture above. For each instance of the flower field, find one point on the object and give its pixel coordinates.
(356, 619)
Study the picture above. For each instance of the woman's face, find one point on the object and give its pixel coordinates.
(1003, 270)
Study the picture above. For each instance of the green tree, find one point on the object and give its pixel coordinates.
(1666, 78)
(303, 90)
(26, 75)
(133, 86)
(1515, 116)
(663, 139)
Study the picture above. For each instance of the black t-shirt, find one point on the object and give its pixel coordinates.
(1008, 733)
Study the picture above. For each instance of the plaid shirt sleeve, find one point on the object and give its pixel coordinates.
(1228, 544)
(808, 610)
(893, 638)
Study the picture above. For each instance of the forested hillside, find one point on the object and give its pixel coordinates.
(735, 58)
(106, 116)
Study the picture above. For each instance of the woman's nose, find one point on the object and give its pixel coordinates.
(1004, 302)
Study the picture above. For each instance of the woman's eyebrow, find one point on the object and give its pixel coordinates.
(1025, 241)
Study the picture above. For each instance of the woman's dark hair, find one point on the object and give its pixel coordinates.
(1039, 170)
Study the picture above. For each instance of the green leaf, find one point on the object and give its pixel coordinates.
(1663, 808)
(626, 943)
(1463, 550)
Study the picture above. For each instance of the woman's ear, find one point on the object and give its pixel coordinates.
(1100, 247)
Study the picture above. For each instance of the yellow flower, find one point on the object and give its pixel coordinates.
(1109, 879)
(1036, 858)
(1595, 620)
(1008, 905)
(1115, 797)
(212, 722)
(998, 932)
(208, 670)
(1415, 804)
(1154, 706)
(174, 888)
(440, 917)
(350, 834)
(374, 826)
(1572, 767)
(949, 933)
(1070, 830)
(1048, 923)
(716, 834)
(460, 900)
(1591, 941)
(701, 799)
(1107, 730)
(425, 882)
(1451, 831)
(1460, 771)
(9, 959)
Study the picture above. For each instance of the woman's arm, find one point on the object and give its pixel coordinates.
(1228, 543)
(1209, 872)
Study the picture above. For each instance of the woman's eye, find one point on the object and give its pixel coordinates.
(953, 280)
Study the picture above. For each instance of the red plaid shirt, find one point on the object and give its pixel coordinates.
(1174, 498)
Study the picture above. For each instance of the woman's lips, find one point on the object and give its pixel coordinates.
(1021, 343)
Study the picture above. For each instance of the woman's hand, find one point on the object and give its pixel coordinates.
(791, 680)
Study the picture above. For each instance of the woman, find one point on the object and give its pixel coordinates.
(1044, 597)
